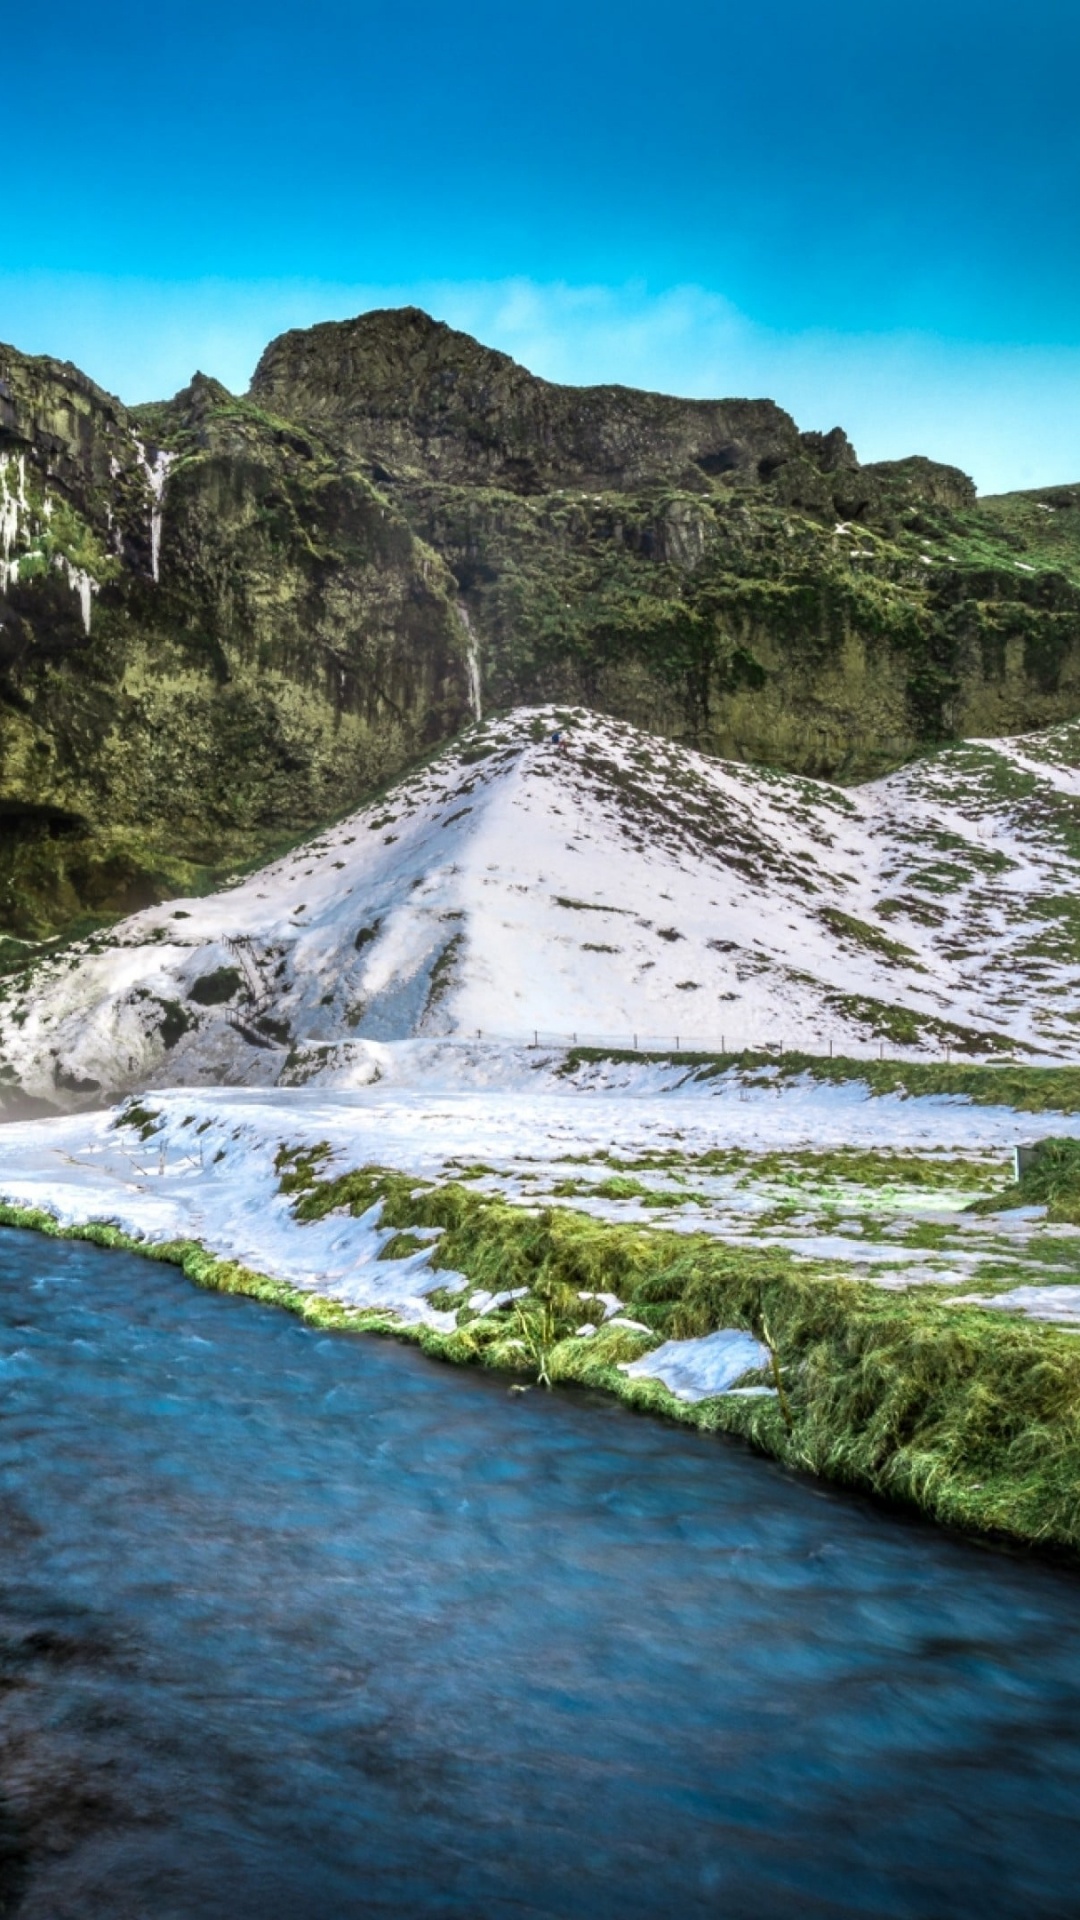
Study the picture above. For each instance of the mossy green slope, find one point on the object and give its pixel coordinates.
(971, 1416)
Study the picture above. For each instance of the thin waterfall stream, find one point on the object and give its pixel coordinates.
(472, 662)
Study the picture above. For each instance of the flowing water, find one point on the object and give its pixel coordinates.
(295, 1627)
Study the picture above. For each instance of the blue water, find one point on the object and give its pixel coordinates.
(295, 1625)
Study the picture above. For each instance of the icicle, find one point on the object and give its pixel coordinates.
(9, 515)
(472, 662)
(80, 582)
(11, 506)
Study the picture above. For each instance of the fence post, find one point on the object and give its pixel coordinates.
(635, 1043)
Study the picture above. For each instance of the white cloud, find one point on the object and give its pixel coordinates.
(1008, 414)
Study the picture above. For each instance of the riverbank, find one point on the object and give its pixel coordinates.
(892, 1339)
(966, 1415)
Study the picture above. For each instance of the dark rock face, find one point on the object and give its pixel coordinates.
(223, 620)
(418, 401)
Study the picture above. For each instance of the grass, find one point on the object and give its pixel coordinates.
(1027, 1089)
(970, 1415)
(873, 1167)
(846, 927)
(1052, 1180)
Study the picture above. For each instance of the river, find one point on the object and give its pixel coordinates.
(298, 1627)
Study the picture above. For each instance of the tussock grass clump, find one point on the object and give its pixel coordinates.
(145, 1119)
(1051, 1181)
(401, 1245)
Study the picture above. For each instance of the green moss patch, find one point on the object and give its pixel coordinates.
(860, 933)
(216, 988)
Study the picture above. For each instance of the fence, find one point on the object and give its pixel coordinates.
(734, 1044)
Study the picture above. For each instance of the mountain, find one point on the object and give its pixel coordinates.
(611, 886)
(225, 621)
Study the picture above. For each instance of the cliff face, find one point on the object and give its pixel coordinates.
(700, 568)
(224, 621)
(215, 633)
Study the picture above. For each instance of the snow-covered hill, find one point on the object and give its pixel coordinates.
(609, 886)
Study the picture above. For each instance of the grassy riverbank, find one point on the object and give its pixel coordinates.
(969, 1414)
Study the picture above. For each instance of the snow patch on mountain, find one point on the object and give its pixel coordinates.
(605, 885)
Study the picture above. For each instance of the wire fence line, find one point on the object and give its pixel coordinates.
(731, 1045)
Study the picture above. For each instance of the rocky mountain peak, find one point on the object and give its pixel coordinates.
(414, 400)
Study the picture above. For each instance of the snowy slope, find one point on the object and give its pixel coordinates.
(619, 886)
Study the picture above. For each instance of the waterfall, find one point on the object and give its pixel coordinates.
(157, 472)
(472, 662)
(158, 475)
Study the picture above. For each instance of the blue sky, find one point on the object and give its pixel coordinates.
(868, 211)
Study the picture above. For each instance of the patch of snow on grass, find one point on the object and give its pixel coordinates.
(696, 1369)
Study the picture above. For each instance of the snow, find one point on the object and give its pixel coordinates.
(428, 959)
(696, 1369)
(1060, 1303)
(625, 892)
(219, 1187)
(386, 942)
